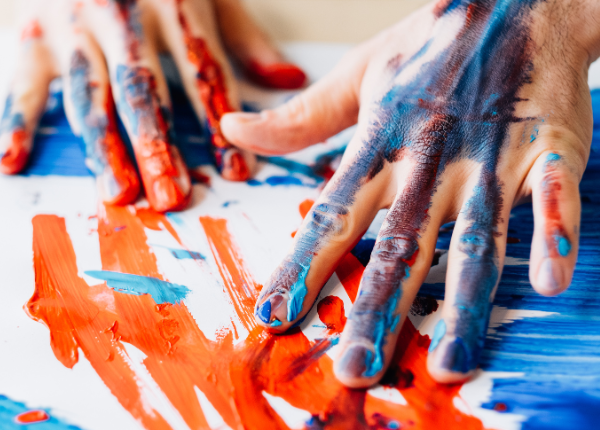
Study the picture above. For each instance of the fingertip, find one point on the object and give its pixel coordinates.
(283, 76)
(551, 278)
(351, 367)
(448, 364)
(16, 155)
(240, 129)
(449, 360)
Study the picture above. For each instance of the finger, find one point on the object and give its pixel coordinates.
(557, 212)
(123, 31)
(475, 262)
(207, 78)
(91, 112)
(335, 223)
(399, 262)
(324, 109)
(26, 100)
(263, 62)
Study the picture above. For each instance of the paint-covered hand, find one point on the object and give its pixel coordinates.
(464, 110)
(107, 52)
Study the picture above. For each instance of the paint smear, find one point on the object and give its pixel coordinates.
(180, 359)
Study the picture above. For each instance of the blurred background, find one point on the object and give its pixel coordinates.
(345, 21)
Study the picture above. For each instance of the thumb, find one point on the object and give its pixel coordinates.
(324, 109)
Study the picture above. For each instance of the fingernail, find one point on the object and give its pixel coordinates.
(455, 357)
(269, 309)
(264, 312)
(247, 117)
(550, 275)
(353, 362)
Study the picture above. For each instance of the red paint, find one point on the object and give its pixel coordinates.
(551, 196)
(210, 84)
(331, 313)
(284, 76)
(98, 321)
(31, 417)
(118, 159)
(305, 207)
(17, 153)
(32, 30)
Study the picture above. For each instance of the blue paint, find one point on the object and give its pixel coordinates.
(161, 291)
(552, 157)
(275, 323)
(297, 294)
(563, 245)
(386, 323)
(264, 312)
(229, 203)
(9, 409)
(184, 254)
(438, 333)
(283, 180)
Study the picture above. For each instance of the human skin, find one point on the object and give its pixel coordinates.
(465, 109)
(107, 52)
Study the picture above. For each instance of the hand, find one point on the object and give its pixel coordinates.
(464, 109)
(107, 53)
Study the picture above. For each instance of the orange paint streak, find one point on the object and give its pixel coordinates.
(77, 317)
(305, 207)
(31, 417)
(242, 289)
(178, 355)
(15, 157)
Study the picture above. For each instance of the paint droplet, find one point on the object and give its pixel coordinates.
(563, 245)
(30, 417)
(500, 407)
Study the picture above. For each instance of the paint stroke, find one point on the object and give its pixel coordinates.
(161, 291)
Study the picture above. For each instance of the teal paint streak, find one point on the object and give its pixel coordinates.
(389, 321)
(297, 294)
(438, 333)
(161, 291)
(276, 323)
(552, 157)
(10, 409)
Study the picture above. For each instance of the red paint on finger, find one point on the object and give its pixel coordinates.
(31, 417)
(212, 91)
(117, 158)
(32, 30)
(284, 76)
(17, 153)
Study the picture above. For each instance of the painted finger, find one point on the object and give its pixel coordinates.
(91, 112)
(142, 99)
(207, 78)
(26, 100)
(324, 109)
(557, 213)
(335, 223)
(263, 62)
(399, 262)
(475, 262)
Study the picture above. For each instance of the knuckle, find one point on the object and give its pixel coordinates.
(331, 219)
